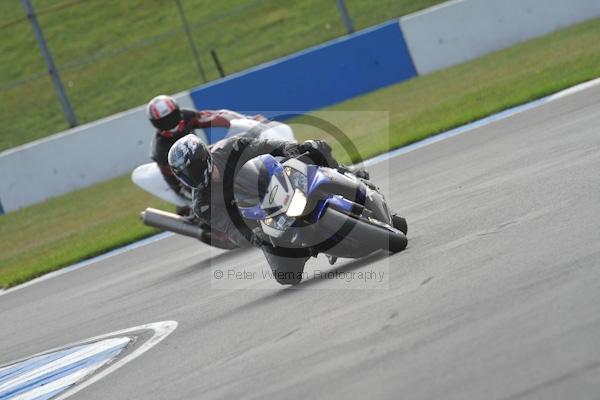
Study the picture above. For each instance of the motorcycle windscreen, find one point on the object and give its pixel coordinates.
(261, 188)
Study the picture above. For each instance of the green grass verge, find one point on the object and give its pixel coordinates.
(47, 236)
(70, 228)
(114, 55)
(437, 102)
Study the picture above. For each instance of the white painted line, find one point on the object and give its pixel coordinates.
(377, 159)
(4, 368)
(574, 89)
(483, 122)
(86, 352)
(96, 344)
(161, 331)
(63, 382)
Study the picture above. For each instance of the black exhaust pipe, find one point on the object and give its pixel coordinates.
(170, 222)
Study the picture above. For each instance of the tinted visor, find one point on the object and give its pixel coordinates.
(191, 162)
(168, 122)
(197, 174)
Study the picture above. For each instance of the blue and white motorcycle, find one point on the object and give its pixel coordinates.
(324, 210)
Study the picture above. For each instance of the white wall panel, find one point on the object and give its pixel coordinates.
(462, 30)
(77, 158)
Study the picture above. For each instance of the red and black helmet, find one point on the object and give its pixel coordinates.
(191, 161)
(163, 112)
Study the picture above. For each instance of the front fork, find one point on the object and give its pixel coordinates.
(365, 196)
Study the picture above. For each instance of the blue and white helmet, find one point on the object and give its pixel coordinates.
(191, 162)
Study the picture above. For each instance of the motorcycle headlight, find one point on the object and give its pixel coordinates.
(281, 222)
(297, 178)
(300, 185)
(297, 205)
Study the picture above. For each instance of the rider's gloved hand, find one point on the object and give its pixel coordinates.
(312, 147)
(320, 145)
(292, 150)
(315, 147)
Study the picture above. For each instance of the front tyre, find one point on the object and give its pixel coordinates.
(397, 241)
(399, 223)
(362, 235)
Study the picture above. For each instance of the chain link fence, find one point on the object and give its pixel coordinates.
(113, 55)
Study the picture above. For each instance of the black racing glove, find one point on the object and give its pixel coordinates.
(318, 145)
(312, 147)
(292, 150)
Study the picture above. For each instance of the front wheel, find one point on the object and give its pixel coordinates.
(363, 235)
(397, 241)
(399, 223)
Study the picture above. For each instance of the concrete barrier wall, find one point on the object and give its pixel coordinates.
(313, 78)
(462, 30)
(76, 158)
(439, 37)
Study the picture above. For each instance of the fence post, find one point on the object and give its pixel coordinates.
(188, 32)
(215, 58)
(60, 90)
(341, 4)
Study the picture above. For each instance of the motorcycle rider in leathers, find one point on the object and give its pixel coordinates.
(172, 123)
(210, 173)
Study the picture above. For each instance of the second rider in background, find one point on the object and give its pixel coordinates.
(172, 123)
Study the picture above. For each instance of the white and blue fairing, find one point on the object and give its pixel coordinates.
(272, 193)
(262, 188)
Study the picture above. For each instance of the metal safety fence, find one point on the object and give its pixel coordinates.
(112, 55)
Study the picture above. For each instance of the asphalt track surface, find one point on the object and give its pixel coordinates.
(496, 297)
